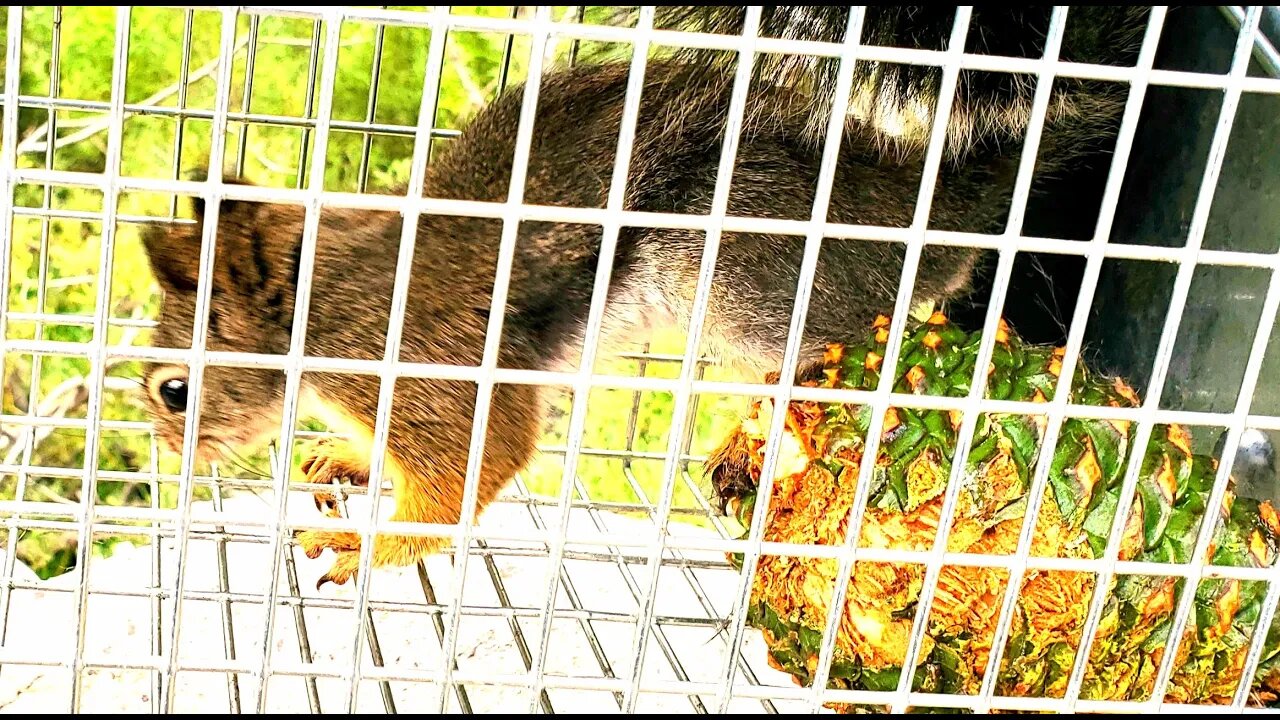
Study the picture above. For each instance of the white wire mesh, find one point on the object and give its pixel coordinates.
(571, 537)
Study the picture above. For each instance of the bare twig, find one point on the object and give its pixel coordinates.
(36, 141)
(270, 164)
(475, 94)
(66, 396)
(62, 282)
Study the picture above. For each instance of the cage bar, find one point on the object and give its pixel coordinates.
(576, 526)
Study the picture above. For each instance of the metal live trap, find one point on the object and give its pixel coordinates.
(601, 581)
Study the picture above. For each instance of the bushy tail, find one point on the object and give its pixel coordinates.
(898, 101)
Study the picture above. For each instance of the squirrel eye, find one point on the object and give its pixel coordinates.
(174, 394)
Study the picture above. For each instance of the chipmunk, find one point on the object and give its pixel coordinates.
(676, 152)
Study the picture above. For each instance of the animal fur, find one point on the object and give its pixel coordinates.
(677, 150)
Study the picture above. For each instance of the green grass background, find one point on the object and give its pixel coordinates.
(79, 66)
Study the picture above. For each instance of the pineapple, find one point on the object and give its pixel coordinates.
(814, 488)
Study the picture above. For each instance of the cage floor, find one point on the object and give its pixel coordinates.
(228, 570)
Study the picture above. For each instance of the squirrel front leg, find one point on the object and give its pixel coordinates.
(426, 461)
(333, 459)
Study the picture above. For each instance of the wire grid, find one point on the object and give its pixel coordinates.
(639, 562)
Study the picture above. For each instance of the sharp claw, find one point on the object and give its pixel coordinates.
(721, 496)
(325, 502)
(329, 578)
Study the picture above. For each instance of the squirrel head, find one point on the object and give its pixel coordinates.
(254, 274)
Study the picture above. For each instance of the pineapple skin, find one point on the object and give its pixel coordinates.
(814, 489)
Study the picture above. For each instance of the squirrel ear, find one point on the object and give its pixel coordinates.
(228, 205)
(174, 255)
(174, 250)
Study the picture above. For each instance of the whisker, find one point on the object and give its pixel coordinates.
(233, 461)
(239, 461)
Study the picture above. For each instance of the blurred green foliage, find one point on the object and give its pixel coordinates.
(172, 62)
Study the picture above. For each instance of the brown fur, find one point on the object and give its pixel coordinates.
(676, 153)
(899, 100)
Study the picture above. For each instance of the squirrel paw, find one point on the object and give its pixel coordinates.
(730, 470)
(330, 460)
(345, 545)
(344, 569)
(388, 550)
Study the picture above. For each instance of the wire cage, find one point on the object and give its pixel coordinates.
(602, 579)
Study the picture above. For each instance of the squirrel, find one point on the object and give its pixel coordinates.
(676, 151)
